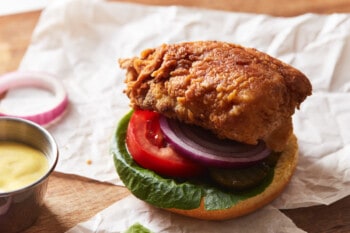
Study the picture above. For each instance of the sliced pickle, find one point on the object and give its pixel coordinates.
(238, 179)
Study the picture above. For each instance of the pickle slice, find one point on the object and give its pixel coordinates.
(238, 179)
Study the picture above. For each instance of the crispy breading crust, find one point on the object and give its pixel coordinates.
(238, 93)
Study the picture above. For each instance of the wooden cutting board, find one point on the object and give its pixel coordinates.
(72, 199)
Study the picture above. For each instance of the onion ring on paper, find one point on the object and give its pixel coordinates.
(39, 80)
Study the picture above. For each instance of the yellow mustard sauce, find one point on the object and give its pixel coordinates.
(20, 165)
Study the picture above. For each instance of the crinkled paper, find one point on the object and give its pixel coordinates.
(80, 42)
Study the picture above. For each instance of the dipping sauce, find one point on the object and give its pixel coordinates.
(20, 165)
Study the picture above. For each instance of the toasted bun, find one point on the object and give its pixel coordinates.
(283, 172)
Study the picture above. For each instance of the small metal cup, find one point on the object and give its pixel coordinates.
(20, 208)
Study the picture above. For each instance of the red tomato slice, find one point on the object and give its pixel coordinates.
(148, 148)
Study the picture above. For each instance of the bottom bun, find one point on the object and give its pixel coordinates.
(284, 170)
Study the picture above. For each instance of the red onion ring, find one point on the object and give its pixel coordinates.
(204, 147)
(39, 80)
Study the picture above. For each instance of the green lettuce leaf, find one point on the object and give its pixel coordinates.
(137, 228)
(169, 193)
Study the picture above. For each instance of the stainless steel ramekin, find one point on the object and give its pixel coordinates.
(20, 208)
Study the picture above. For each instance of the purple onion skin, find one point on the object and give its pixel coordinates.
(190, 142)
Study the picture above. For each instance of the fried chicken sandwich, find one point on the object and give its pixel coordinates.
(210, 135)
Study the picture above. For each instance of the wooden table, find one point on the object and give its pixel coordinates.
(72, 199)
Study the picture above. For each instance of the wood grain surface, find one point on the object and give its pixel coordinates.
(72, 199)
(271, 7)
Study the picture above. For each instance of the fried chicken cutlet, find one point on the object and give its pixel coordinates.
(236, 92)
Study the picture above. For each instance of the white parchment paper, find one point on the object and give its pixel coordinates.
(112, 219)
(80, 42)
